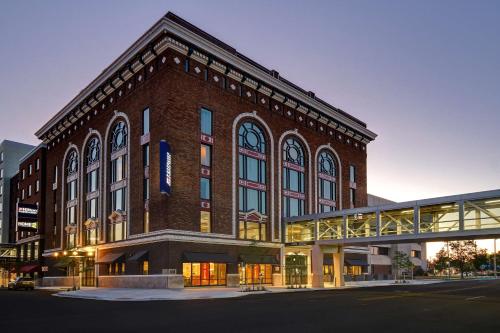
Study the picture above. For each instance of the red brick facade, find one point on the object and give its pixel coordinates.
(175, 87)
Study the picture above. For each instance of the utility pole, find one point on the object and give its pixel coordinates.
(495, 258)
(449, 262)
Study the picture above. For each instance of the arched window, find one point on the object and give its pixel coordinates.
(71, 198)
(327, 184)
(93, 153)
(294, 188)
(252, 187)
(118, 182)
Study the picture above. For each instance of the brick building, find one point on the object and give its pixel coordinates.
(28, 211)
(184, 155)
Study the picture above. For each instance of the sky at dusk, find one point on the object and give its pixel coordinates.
(424, 75)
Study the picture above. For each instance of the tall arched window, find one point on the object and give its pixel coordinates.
(71, 198)
(252, 187)
(118, 182)
(327, 184)
(93, 153)
(294, 189)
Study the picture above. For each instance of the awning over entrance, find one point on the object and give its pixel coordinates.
(258, 259)
(207, 257)
(29, 268)
(63, 262)
(139, 256)
(356, 262)
(110, 258)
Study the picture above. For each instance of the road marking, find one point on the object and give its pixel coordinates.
(474, 298)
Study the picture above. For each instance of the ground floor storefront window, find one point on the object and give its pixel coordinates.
(295, 270)
(255, 273)
(353, 270)
(328, 273)
(204, 274)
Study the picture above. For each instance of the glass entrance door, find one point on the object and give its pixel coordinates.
(296, 270)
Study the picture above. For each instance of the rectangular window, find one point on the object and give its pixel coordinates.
(23, 173)
(30, 169)
(145, 267)
(37, 164)
(29, 191)
(205, 221)
(118, 200)
(352, 173)
(22, 194)
(206, 122)
(37, 186)
(92, 181)
(71, 190)
(205, 155)
(1, 157)
(92, 208)
(1, 173)
(205, 188)
(186, 65)
(118, 169)
(146, 188)
(1, 191)
(145, 121)
(352, 197)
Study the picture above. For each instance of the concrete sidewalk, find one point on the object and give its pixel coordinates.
(127, 294)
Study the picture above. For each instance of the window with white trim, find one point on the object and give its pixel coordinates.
(327, 184)
(118, 182)
(252, 179)
(294, 184)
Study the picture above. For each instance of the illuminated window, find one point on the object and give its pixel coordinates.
(204, 221)
(293, 178)
(327, 186)
(205, 155)
(71, 196)
(117, 226)
(252, 189)
(145, 267)
(93, 156)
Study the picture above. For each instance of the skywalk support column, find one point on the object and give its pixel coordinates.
(338, 267)
(317, 266)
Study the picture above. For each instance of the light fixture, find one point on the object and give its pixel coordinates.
(65, 253)
(56, 254)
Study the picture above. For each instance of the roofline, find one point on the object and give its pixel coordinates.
(31, 152)
(216, 48)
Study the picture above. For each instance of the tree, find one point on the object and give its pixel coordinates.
(462, 254)
(401, 261)
(481, 259)
(440, 263)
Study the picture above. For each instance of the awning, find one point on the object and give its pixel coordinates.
(29, 268)
(63, 262)
(355, 262)
(110, 258)
(207, 257)
(139, 256)
(258, 259)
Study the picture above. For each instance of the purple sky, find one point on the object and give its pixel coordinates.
(424, 75)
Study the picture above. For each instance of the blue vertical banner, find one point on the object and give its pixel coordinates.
(165, 168)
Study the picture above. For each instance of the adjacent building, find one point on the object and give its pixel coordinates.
(10, 154)
(182, 157)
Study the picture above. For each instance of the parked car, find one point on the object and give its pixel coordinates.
(22, 283)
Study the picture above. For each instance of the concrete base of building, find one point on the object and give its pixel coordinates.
(233, 280)
(60, 281)
(277, 280)
(142, 281)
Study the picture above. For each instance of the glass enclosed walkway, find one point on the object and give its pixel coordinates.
(473, 215)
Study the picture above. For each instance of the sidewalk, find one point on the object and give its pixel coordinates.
(127, 294)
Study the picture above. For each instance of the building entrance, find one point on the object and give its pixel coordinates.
(295, 270)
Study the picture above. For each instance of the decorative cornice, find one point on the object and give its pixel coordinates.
(206, 52)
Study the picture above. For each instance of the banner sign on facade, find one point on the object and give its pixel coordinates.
(165, 168)
(27, 217)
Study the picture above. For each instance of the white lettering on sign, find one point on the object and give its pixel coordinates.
(27, 210)
(169, 169)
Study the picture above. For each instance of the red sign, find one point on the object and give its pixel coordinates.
(327, 177)
(252, 153)
(252, 185)
(207, 139)
(293, 194)
(327, 202)
(293, 166)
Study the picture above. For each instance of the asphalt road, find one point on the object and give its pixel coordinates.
(468, 306)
